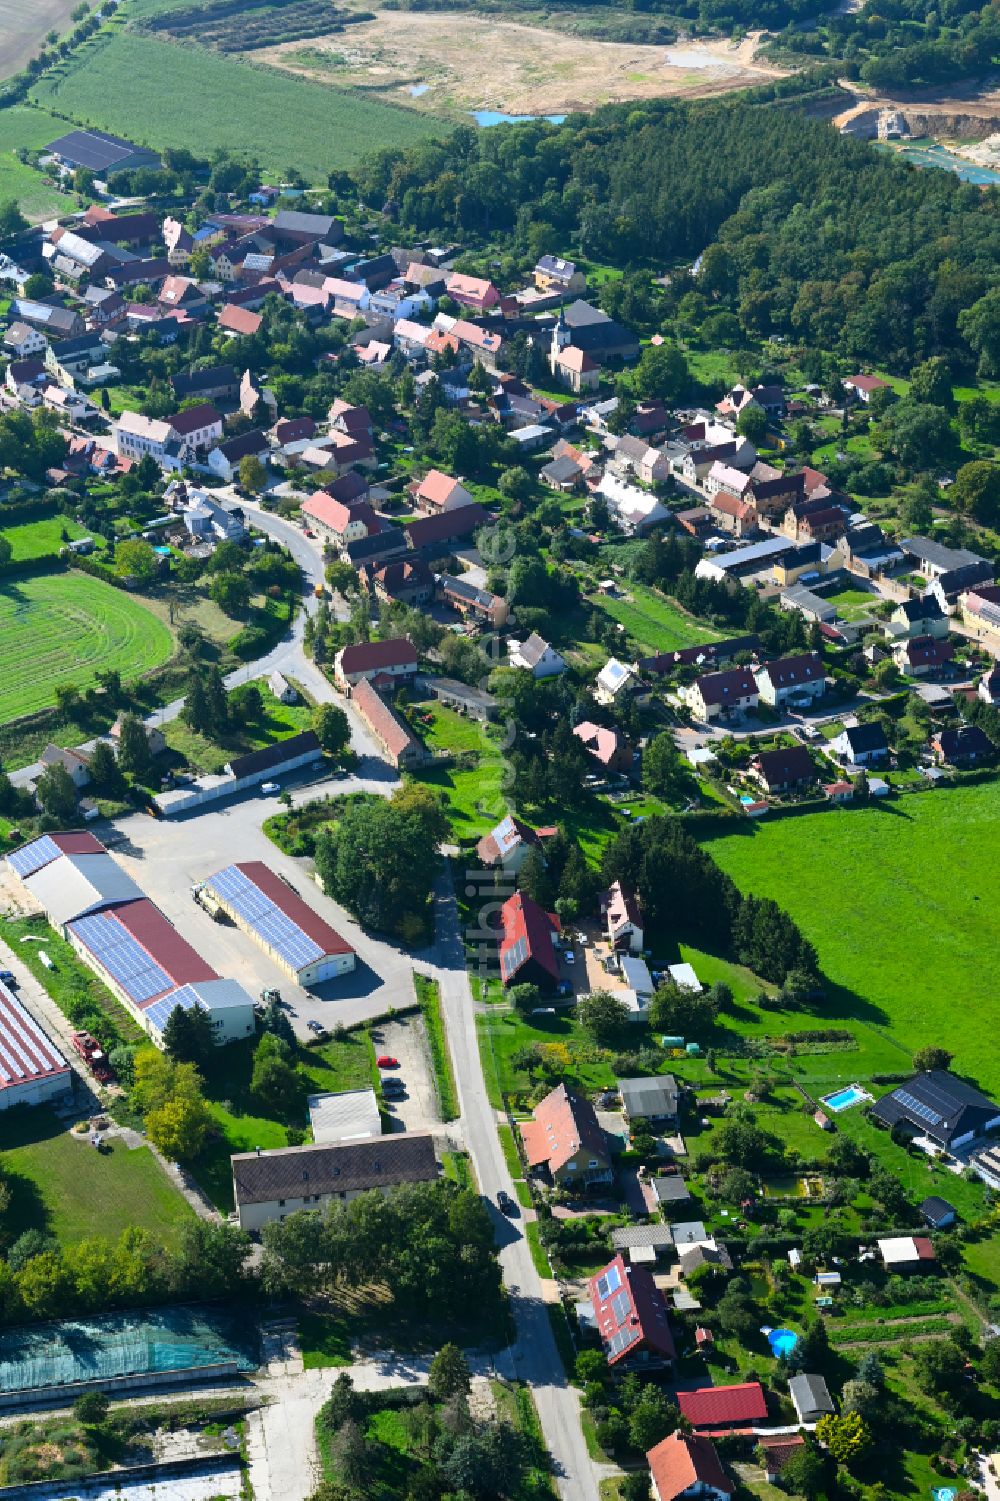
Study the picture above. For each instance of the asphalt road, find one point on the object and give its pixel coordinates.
(534, 1356)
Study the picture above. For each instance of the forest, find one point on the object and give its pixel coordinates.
(820, 239)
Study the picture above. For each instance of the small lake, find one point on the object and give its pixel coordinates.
(927, 153)
(487, 117)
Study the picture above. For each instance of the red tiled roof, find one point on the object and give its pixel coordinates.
(784, 671)
(436, 488)
(382, 718)
(633, 1305)
(727, 687)
(301, 914)
(239, 320)
(368, 655)
(332, 513)
(457, 523)
(563, 1124)
(525, 923)
(723, 1406)
(190, 420)
(684, 1460)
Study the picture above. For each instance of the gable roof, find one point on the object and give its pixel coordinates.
(504, 837)
(239, 320)
(726, 687)
(337, 1167)
(630, 1311)
(724, 1406)
(786, 671)
(189, 421)
(966, 740)
(276, 755)
(563, 1124)
(437, 488)
(428, 530)
(367, 656)
(394, 733)
(527, 934)
(865, 737)
(810, 1393)
(683, 1460)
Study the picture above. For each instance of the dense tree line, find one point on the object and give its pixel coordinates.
(685, 893)
(820, 238)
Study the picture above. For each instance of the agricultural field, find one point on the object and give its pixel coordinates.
(901, 941)
(160, 93)
(654, 622)
(62, 1187)
(22, 125)
(68, 627)
(23, 29)
(437, 61)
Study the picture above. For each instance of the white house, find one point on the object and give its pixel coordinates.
(631, 510)
(536, 656)
(623, 916)
(138, 436)
(791, 678)
(613, 681)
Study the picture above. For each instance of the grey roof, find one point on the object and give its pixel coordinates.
(656, 1236)
(810, 1394)
(344, 1115)
(689, 1233)
(670, 1188)
(927, 550)
(938, 1105)
(343, 1167)
(291, 221)
(656, 1096)
(274, 756)
(75, 884)
(691, 1257)
(100, 152)
(533, 649)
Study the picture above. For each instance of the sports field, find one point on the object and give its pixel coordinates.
(65, 628)
(900, 901)
(161, 93)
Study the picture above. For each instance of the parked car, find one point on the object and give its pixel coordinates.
(8, 977)
(506, 1204)
(385, 1060)
(270, 788)
(569, 956)
(316, 1027)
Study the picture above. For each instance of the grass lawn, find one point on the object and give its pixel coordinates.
(853, 603)
(502, 1034)
(900, 904)
(654, 621)
(277, 722)
(23, 125)
(159, 93)
(66, 627)
(61, 1185)
(474, 794)
(70, 981)
(42, 539)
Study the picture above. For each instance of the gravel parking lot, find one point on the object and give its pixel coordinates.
(406, 1039)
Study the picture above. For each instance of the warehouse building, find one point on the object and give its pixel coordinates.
(32, 1071)
(264, 906)
(124, 938)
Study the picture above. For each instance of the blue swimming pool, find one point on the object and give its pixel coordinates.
(782, 1341)
(844, 1098)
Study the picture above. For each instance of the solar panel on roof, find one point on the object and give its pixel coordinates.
(123, 957)
(609, 1283)
(33, 856)
(920, 1110)
(621, 1307)
(621, 1340)
(275, 927)
(159, 1011)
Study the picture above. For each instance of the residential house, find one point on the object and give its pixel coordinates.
(21, 342)
(282, 689)
(438, 492)
(917, 617)
(71, 761)
(181, 292)
(723, 695)
(535, 656)
(923, 656)
(685, 1466)
(270, 1185)
(239, 322)
(980, 611)
(350, 298)
(810, 1397)
(988, 687)
(631, 510)
(564, 1137)
(395, 739)
(137, 273)
(473, 603)
(791, 680)
(622, 914)
(527, 952)
(609, 748)
(509, 843)
(432, 535)
(967, 745)
(155, 738)
(67, 360)
(472, 292)
(948, 588)
(614, 682)
(731, 514)
(636, 456)
(777, 1451)
(784, 770)
(861, 745)
(938, 1105)
(139, 436)
(394, 660)
(863, 387)
(405, 580)
(725, 476)
(224, 458)
(482, 345)
(769, 399)
(553, 274)
(724, 1409)
(198, 428)
(814, 521)
(341, 523)
(631, 1317)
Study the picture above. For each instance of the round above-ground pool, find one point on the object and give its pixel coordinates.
(782, 1341)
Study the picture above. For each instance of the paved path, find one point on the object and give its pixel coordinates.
(533, 1358)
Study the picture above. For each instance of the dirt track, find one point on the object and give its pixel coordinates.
(461, 62)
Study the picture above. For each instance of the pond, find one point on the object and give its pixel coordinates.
(928, 153)
(487, 117)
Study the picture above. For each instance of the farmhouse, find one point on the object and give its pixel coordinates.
(686, 1465)
(565, 1138)
(631, 1317)
(289, 931)
(939, 1106)
(394, 660)
(395, 739)
(270, 1185)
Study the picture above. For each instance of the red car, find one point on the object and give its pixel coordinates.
(386, 1062)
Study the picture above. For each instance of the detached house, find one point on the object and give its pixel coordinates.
(553, 274)
(631, 1316)
(861, 745)
(535, 656)
(622, 914)
(438, 492)
(508, 844)
(784, 770)
(966, 746)
(923, 656)
(791, 679)
(565, 1138)
(918, 617)
(381, 662)
(685, 1466)
(472, 292)
(527, 944)
(863, 387)
(609, 748)
(723, 695)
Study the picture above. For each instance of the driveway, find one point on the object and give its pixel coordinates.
(406, 1039)
(166, 857)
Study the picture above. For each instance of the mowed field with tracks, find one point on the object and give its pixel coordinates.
(65, 628)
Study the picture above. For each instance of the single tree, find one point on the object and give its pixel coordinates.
(56, 792)
(332, 727)
(449, 1374)
(134, 755)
